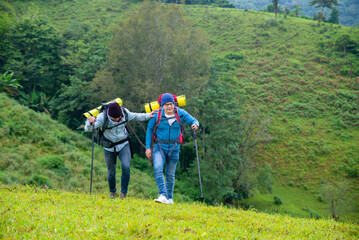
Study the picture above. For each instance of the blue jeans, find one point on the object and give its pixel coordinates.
(165, 188)
(125, 157)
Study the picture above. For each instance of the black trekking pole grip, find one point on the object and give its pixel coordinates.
(199, 171)
(93, 141)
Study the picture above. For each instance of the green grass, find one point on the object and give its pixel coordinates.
(37, 213)
(297, 202)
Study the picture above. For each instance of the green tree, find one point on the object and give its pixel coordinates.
(287, 10)
(323, 4)
(345, 43)
(6, 20)
(265, 179)
(83, 56)
(229, 134)
(275, 5)
(71, 103)
(33, 53)
(297, 10)
(220, 155)
(270, 8)
(157, 50)
(336, 195)
(334, 16)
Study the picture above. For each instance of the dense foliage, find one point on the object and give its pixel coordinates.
(33, 53)
(154, 50)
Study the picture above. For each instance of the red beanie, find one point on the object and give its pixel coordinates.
(114, 110)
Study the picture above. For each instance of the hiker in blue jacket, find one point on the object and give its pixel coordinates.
(117, 138)
(165, 129)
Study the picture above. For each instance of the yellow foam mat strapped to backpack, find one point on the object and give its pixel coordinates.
(149, 107)
(94, 112)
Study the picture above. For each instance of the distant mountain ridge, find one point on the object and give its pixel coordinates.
(348, 9)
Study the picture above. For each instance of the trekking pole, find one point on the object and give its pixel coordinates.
(199, 171)
(93, 140)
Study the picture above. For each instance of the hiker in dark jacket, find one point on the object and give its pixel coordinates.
(166, 146)
(117, 134)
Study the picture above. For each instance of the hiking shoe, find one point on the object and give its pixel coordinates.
(123, 195)
(162, 199)
(113, 195)
(170, 201)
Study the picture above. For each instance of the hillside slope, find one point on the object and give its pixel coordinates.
(36, 149)
(40, 213)
(312, 106)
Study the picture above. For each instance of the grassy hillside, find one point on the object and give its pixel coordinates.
(38, 150)
(312, 102)
(292, 71)
(313, 106)
(40, 213)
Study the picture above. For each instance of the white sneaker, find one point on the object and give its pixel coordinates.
(169, 201)
(162, 199)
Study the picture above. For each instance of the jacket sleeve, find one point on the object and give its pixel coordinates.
(150, 127)
(99, 123)
(188, 118)
(137, 116)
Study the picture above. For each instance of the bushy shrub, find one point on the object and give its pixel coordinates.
(291, 183)
(40, 180)
(312, 213)
(271, 22)
(140, 163)
(352, 168)
(234, 56)
(64, 137)
(277, 200)
(5, 178)
(52, 162)
(49, 142)
(4, 163)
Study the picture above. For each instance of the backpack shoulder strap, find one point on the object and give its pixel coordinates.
(125, 113)
(105, 119)
(159, 116)
(177, 116)
(181, 137)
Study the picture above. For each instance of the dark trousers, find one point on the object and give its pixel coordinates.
(111, 158)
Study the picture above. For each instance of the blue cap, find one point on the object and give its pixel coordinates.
(167, 97)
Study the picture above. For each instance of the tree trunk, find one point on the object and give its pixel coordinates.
(335, 217)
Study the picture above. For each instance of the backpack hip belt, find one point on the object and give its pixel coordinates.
(159, 141)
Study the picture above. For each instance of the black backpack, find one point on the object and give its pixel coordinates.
(99, 133)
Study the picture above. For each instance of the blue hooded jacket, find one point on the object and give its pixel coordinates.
(165, 132)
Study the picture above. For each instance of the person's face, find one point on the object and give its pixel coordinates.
(116, 119)
(169, 107)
